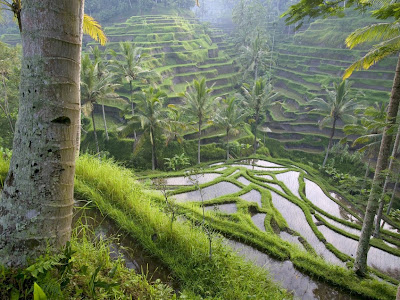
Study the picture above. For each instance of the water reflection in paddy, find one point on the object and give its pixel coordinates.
(291, 238)
(258, 220)
(259, 162)
(257, 168)
(317, 196)
(243, 180)
(252, 196)
(210, 192)
(291, 279)
(275, 186)
(185, 180)
(269, 177)
(228, 208)
(291, 180)
(297, 221)
(343, 227)
(377, 258)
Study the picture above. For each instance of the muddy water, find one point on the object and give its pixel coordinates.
(377, 258)
(210, 192)
(252, 196)
(315, 194)
(258, 220)
(291, 180)
(297, 221)
(302, 286)
(134, 255)
(228, 208)
(182, 180)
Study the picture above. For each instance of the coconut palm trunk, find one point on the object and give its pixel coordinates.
(255, 131)
(104, 121)
(37, 199)
(153, 150)
(95, 134)
(393, 194)
(360, 263)
(199, 141)
(330, 142)
(387, 179)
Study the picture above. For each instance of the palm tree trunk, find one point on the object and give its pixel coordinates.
(133, 111)
(37, 199)
(153, 150)
(105, 122)
(393, 194)
(360, 263)
(387, 179)
(330, 142)
(95, 135)
(255, 132)
(227, 144)
(198, 145)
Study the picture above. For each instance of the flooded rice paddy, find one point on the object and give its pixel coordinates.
(302, 286)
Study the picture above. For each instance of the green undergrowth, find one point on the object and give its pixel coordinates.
(4, 165)
(239, 226)
(182, 247)
(83, 270)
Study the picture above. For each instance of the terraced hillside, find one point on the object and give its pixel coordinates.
(305, 64)
(178, 49)
(284, 218)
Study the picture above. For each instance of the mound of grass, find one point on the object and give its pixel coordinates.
(182, 247)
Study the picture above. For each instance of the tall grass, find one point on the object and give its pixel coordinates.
(84, 270)
(183, 249)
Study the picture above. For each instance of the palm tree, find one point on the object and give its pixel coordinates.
(254, 56)
(95, 89)
(175, 126)
(230, 116)
(151, 113)
(369, 132)
(198, 105)
(337, 106)
(129, 64)
(257, 101)
(389, 35)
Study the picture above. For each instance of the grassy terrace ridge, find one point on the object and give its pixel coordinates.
(181, 247)
(236, 226)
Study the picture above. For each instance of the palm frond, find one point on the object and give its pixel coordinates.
(376, 54)
(373, 33)
(93, 29)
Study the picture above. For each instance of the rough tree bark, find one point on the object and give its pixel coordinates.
(360, 263)
(387, 179)
(37, 199)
